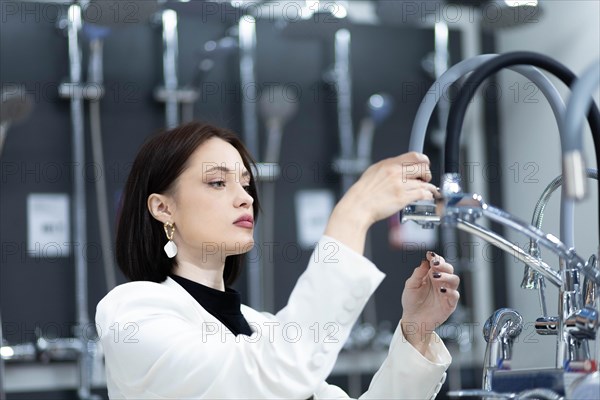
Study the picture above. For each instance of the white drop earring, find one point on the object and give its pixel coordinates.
(170, 247)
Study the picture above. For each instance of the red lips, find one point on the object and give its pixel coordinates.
(245, 221)
(247, 218)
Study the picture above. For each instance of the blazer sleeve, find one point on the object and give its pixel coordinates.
(155, 348)
(405, 373)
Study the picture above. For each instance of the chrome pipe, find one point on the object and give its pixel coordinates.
(343, 82)
(170, 55)
(248, 82)
(510, 248)
(74, 25)
(550, 241)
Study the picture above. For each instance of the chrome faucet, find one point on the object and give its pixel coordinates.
(499, 331)
(531, 280)
(463, 209)
(572, 300)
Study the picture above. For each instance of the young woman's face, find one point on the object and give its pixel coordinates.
(210, 198)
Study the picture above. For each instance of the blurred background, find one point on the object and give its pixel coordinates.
(317, 90)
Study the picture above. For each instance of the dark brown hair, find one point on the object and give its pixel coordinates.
(160, 161)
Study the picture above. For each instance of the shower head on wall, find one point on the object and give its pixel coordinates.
(380, 106)
(15, 104)
(278, 104)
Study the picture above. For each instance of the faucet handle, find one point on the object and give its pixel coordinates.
(421, 212)
(583, 323)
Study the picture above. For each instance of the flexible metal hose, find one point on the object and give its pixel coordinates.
(538, 213)
(98, 156)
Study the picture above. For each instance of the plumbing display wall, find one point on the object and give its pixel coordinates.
(39, 291)
(530, 152)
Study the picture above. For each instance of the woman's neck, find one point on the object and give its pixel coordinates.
(208, 273)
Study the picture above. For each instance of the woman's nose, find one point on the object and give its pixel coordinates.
(243, 199)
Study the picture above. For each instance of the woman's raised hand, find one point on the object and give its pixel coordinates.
(383, 189)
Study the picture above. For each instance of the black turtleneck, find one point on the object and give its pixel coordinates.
(224, 306)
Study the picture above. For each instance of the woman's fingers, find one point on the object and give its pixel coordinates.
(419, 171)
(444, 280)
(413, 166)
(412, 158)
(452, 297)
(439, 263)
(415, 190)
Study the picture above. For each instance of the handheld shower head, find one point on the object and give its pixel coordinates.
(15, 104)
(277, 107)
(380, 106)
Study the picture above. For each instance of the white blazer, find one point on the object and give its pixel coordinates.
(159, 343)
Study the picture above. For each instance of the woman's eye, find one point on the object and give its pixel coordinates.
(217, 184)
(248, 188)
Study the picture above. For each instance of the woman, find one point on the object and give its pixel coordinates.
(178, 331)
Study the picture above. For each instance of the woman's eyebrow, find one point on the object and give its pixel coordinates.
(245, 173)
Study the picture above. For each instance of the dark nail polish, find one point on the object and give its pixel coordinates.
(436, 262)
(443, 290)
(437, 275)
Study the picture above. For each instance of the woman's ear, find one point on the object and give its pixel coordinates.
(161, 207)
